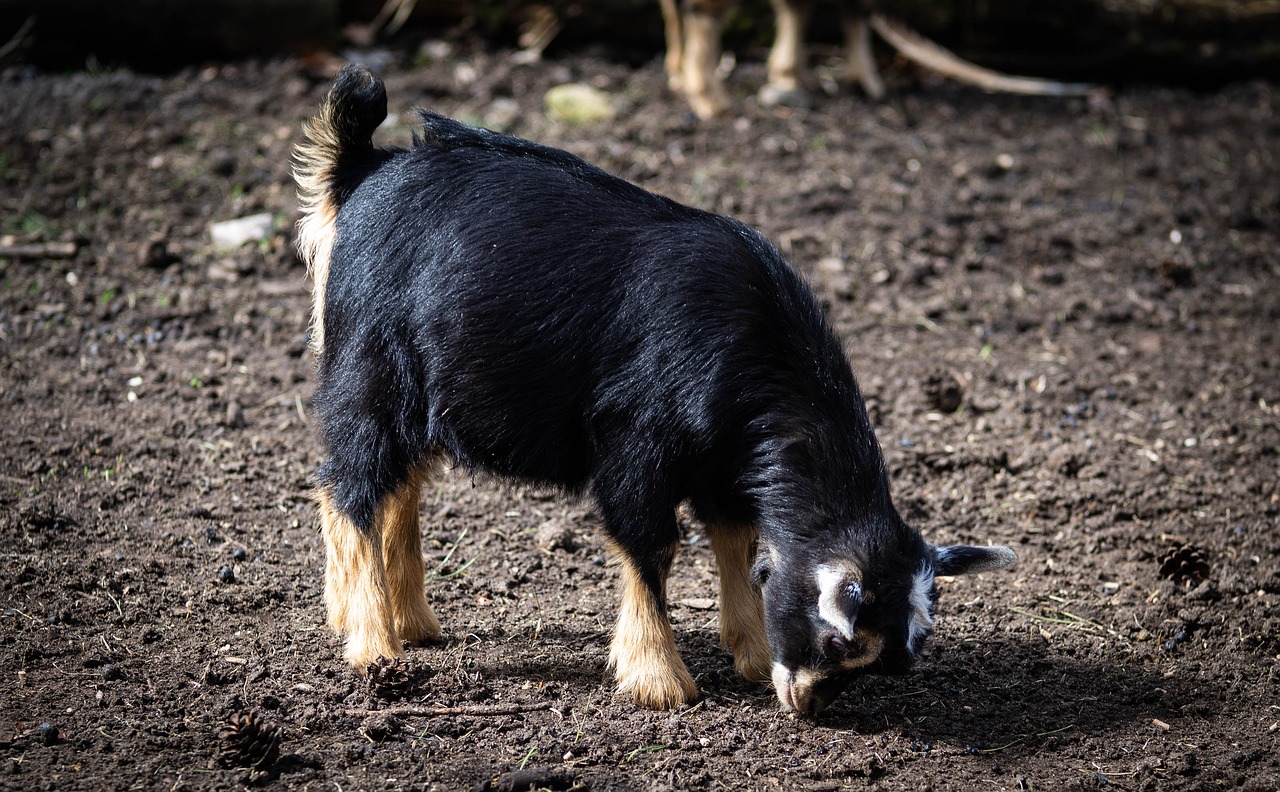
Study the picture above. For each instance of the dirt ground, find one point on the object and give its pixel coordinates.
(1064, 314)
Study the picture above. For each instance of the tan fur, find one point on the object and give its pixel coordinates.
(741, 607)
(414, 619)
(314, 167)
(644, 657)
(374, 584)
(674, 29)
(701, 56)
(787, 57)
(355, 588)
(693, 55)
(860, 61)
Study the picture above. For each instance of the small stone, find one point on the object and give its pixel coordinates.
(234, 418)
(231, 234)
(578, 103)
(226, 575)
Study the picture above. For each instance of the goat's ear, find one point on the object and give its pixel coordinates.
(966, 559)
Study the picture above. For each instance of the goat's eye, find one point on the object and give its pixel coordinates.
(837, 647)
(760, 574)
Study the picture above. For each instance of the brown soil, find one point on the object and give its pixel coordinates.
(1064, 314)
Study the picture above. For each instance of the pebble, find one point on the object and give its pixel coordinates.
(231, 234)
(578, 103)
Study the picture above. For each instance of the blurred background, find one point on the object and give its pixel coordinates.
(1190, 42)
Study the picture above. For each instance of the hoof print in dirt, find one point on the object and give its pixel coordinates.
(388, 675)
(1185, 565)
(249, 741)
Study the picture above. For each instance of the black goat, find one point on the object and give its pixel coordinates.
(518, 311)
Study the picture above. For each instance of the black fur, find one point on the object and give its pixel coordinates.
(534, 317)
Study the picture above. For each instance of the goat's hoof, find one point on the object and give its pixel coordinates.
(782, 96)
(661, 691)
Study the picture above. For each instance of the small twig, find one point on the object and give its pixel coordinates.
(1072, 619)
(39, 251)
(19, 38)
(479, 711)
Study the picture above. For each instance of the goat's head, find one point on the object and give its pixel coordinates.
(842, 603)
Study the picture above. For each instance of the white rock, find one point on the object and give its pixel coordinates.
(231, 234)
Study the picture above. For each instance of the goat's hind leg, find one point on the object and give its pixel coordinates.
(356, 592)
(414, 619)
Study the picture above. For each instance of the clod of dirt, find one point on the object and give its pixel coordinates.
(381, 726)
(387, 675)
(1185, 565)
(555, 535)
(1066, 460)
(943, 391)
(155, 253)
(50, 734)
(249, 741)
(1177, 274)
(234, 418)
(532, 778)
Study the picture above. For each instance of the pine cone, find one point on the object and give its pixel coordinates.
(249, 741)
(1185, 565)
(387, 674)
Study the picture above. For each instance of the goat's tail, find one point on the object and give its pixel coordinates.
(932, 56)
(343, 130)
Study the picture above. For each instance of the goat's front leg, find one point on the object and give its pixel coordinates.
(644, 657)
(741, 606)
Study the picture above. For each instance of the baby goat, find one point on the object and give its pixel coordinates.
(513, 309)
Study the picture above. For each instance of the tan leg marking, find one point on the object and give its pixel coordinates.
(741, 608)
(860, 63)
(643, 655)
(355, 588)
(702, 86)
(402, 550)
(788, 60)
(674, 31)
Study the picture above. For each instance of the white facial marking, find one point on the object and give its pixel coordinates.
(830, 582)
(920, 621)
(782, 684)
